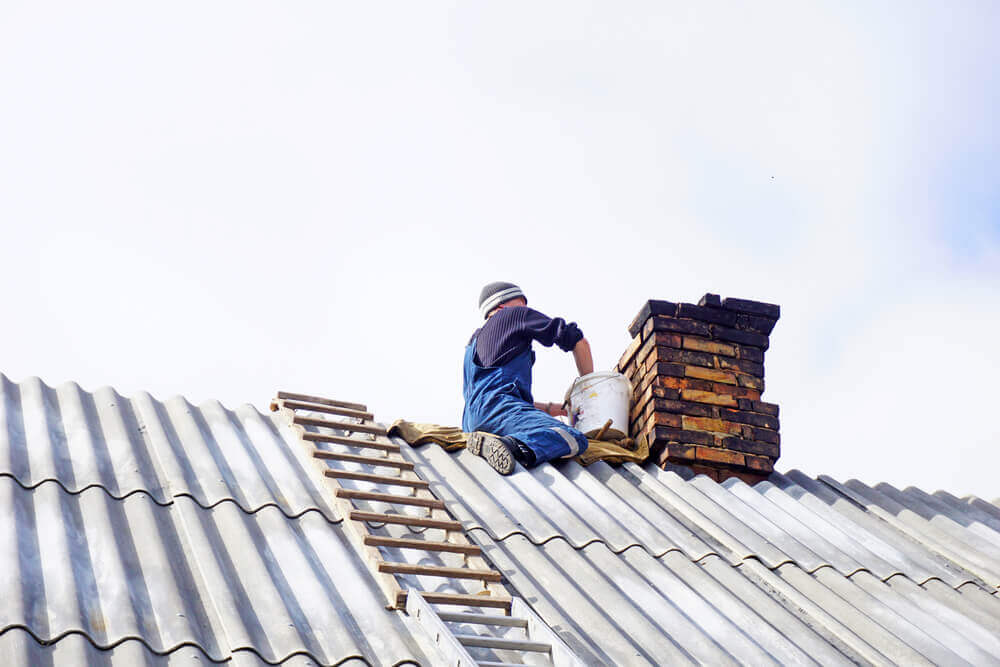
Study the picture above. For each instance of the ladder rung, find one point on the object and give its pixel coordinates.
(367, 460)
(354, 442)
(432, 503)
(423, 545)
(376, 479)
(438, 571)
(501, 643)
(466, 600)
(340, 426)
(287, 395)
(404, 520)
(483, 619)
(328, 409)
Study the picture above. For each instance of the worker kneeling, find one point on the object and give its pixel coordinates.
(503, 421)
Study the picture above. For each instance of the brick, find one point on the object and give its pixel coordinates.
(750, 478)
(747, 446)
(710, 374)
(708, 397)
(681, 435)
(710, 301)
(685, 357)
(765, 435)
(756, 324)
(678, 326)
(743, 366)
(666, 369)
(685, 408)
(750, 353)
(750, 381)
(767, 408)
(684, 383)
(629, 353)
(661, 419)
(761, 463)
(742, 337)
(702, 345)
(702, 314)
(719, 456)
(706, 470)
(676, 450)
(770, 310)
(650, 309)
(738, 392)
(709, 424)
(752, 418)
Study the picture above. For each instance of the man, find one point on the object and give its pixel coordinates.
(502, 419)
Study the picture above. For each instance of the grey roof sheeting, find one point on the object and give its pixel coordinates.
(160, 532)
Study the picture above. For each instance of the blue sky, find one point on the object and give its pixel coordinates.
(223, 200)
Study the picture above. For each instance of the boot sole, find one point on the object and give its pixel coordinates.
(493, 449)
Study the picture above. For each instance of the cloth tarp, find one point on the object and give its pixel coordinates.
(453, 438)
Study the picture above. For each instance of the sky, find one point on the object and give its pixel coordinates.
(221, 200)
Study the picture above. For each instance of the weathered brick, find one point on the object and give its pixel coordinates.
(742, 337)
(770, 310)
(701, 314)
(761, 463)
(702, 345)
(710, 472)
(738, 392)
(709, 424)
(661, 323)
(750, 353)
(755, 323)
(686, 357)
(766, 408)
(752, 418)
(750, 381)
(683, 435)
(719, 456)
(650, 309)
(742, 365)
(685, 408)
(765, 435)
(684, 383)
(747, 446)
(710, 301)
(676, 450)
(708, 397)
(629, 352)
(710, 374)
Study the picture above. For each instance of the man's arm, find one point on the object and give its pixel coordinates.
(583, 358)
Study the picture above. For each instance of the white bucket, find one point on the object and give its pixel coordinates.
(595, 398)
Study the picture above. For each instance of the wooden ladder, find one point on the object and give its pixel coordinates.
(367, 445)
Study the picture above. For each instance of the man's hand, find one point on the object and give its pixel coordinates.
(584, 360)
(552, 409)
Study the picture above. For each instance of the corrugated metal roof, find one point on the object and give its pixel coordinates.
(158, 532)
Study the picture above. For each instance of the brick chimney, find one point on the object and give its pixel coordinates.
(697, 374)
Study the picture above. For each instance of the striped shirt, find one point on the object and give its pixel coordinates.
(510, 332)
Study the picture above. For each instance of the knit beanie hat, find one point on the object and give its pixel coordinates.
(496, 293)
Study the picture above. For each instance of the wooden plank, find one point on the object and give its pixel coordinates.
(501, 643)
(376, 479)
(483, 619)
(328, 409)
(353, 442)
(439, 571)
(432, 503)
(287, 395)
(340, 426)
(466, 600)
(404, 520)
(422, 545)
(367, 460)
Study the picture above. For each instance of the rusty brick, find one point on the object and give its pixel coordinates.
(685, 408)
(667, 339)
(650, 309)
(761, 463)
(746, 446)
(752, 418)
(755, 323)
(765, 435)
(701, 314)
(629, 352)
(710, 374)
(719, 456)
(686, 357)
(750, 353)
(770, 310)
(738, 392)
(675, 325)
(706, 424)
(676, 450)
(684, 383)
(766, 408)
(683, 435)
(750, 381)
(708, 397)
(742, 337)
(742, 365)
(702, 345)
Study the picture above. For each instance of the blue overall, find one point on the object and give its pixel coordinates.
(498, 400)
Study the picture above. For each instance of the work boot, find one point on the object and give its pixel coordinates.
(497, 451)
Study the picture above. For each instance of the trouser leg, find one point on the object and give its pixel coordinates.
(547, 437)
